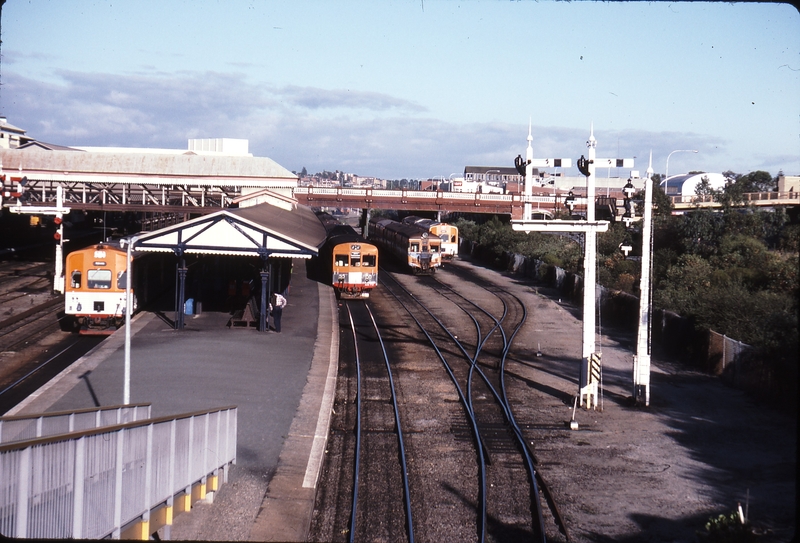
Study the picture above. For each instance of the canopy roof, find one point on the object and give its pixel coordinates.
(261, 230)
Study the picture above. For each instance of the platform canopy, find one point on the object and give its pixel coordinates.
(262, 230)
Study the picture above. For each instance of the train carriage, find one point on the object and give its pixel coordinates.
(445, 232)
(95, 290)
(411, 245)
(349, 262)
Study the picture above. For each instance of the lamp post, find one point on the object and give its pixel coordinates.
(126, 388)
(666, 174)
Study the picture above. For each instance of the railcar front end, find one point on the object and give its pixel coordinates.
(354, 269)
(424, 254)
(95, 290)
(449, 236)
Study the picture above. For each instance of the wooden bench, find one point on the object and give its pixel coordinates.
(245, 318)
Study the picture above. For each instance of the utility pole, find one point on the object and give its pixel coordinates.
(16, 191)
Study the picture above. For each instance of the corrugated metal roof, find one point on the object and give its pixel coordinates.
(249, 231)
(301, 223)
(190, 165)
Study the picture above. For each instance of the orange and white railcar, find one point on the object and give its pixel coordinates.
(95, 290)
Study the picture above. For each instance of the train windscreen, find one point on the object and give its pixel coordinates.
(98, 279)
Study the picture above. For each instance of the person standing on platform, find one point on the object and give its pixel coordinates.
(278, 303)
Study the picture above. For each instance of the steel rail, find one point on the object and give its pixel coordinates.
(357, 460)
(38, 368)
(502, 399)
(397, 422)
(400, 441)
(537, 480)
(29, 312)
(480, 446)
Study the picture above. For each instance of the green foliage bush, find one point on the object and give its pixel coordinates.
(728, 529)
(735, 273)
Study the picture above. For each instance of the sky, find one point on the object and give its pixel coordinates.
(413, 88)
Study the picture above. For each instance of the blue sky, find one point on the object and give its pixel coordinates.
(413, 88)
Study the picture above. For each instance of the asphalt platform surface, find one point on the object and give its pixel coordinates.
(282, 383)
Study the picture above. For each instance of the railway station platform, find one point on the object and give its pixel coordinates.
(283, 385)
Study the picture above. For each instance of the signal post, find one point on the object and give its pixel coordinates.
(16, 190)
(590, 357)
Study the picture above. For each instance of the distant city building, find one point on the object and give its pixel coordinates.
(11, 137)
(498, 174)
(788, 183)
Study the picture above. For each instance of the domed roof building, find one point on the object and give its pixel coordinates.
(686, 184)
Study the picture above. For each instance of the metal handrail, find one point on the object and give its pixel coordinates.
(25, 427)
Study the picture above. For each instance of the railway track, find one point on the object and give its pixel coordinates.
(471, 472)
(501, 453)
(378, 437)
(26, 377)
(27, 326)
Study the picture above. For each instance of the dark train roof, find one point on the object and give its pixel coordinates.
(344, 234)
(408, 230)
(338, 232)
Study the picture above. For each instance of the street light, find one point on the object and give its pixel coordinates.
(666, 175)
(487, 172)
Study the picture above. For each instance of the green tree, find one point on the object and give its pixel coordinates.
(758, 181)
(700, 231)
(662, 204)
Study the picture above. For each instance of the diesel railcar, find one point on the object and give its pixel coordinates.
(348, 262)
(410, 244)
(445, 232)
(95, 288)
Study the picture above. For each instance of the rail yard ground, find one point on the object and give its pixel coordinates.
(656, 473)
(626, 474)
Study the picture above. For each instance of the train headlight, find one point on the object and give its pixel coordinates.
(79, 307)
(341, 277)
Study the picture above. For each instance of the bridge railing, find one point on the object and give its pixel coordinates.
(24, 427)
(763, 198)
(106, 482)
(368, 193)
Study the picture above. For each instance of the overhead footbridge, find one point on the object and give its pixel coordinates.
(136, 181)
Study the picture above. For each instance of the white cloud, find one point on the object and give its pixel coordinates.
(366, 133)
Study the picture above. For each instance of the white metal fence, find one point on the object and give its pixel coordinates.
(22, 427)
(92, 483)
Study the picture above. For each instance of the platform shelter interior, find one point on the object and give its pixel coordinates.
(230, 261)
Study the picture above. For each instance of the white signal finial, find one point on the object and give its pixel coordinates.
(529, 152)
(592, 142)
